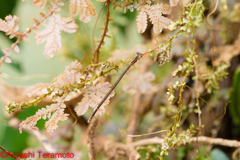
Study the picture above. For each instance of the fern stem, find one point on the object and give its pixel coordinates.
(96, 52)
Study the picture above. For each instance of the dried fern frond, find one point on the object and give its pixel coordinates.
(165, 8)
(39, 88)
(173, 2)
(57, 116)
(51, 124)
(10, 26)
(39, 3)
(155, 14)
(92, 97)
(51, 34)
(159, 22)
(86, 8)
(74, 6)
(70, 76)
(87, 11)
(142, 22)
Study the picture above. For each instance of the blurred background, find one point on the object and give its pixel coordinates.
(30, 67)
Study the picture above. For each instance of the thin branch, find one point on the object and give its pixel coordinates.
(96, 24)
(96, 52)
(91, 136)
(200, 139)
(133, 124)
(115, 150)
(4, 153)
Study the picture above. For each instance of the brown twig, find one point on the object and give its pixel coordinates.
(85, 55)
(6, 152)
(115, 150)
(235, 153)
(201, 139)
(96, 52)
(91, 135)
(133, 124)
(96, 24)
(197, 99)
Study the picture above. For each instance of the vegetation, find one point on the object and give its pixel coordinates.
(162, 79)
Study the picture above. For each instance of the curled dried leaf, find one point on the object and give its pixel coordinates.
(163, 54)
(161, 58)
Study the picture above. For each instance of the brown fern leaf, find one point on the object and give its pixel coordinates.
(38, 88)
(142, 22)
(159, 22)
(74, 7)
(92, 97)
(39, 3)
(10, 26)
(87, 11)
(155, 14)
(57, 116)
(51, 34)
(165, 8)
(51, 124)
(173, 2)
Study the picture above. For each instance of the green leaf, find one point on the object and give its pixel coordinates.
(197, 111)
(192, 40)
(176, 116)
(235, 100)
(151, 53)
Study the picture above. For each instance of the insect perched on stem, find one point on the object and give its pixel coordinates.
(137, 57)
